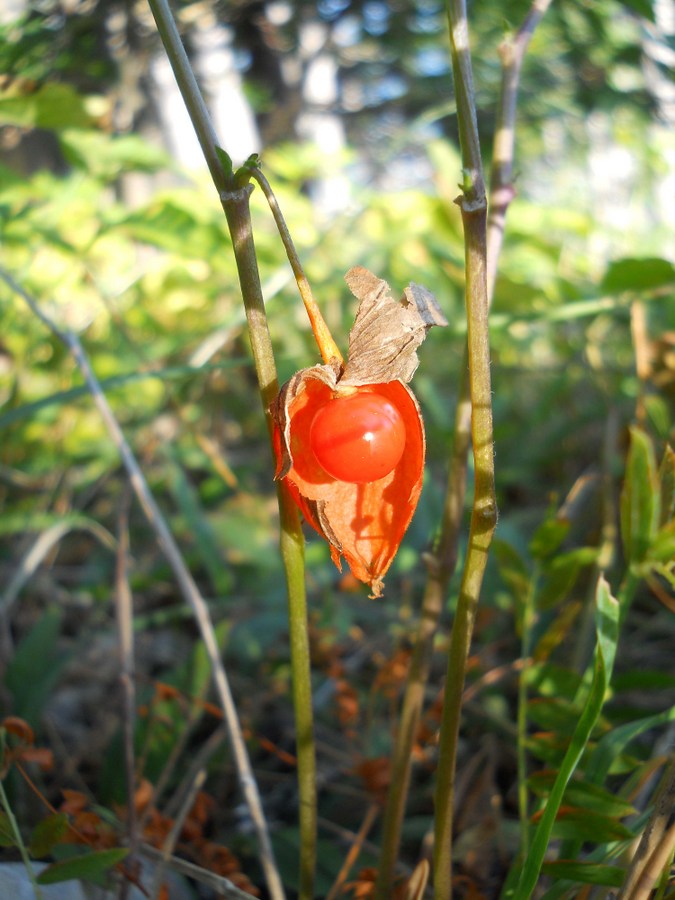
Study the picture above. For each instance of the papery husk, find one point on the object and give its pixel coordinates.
(364, 523)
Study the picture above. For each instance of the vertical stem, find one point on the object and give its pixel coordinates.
(441, 568)
(292, 552)
(124, 616)
(512, 52)
(526, 625)
(25, 858)
(192, 96)
(443, 560)
(238, 213)
(484, 512)
(235, 201)
(483, 521)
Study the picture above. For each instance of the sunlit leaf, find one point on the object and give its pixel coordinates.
(105, 156)
(54, 105)
(638, 275)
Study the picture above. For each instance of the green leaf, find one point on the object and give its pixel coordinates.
(607, 634)
(225, 161)
(551, 680)
(560, 575)
(36, 666)
(584, 795)
(643, 8)
(585, 825)
(606, 625)
(53, 106)
(667, 486)
(585, 873)
(108, 157)
(46, 834)
(640, 500)
(548, 538)
(512, 567)
(614, 742)
(553, 714)
(7, 838)
(638, 275)
(87, 867)
(168, 224)
(662, 548)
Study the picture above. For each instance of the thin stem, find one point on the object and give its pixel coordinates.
(484, 512)
(441, 566)
(354, 851)
(186, 584)
(526, 625)
(25, 858)
(236, 206)
(238, 214)
(170, 841)
(235, 201)
(444, 558)
(124, 615)
(512, 52)
(192, 96)
(292, 552)
(328, 348)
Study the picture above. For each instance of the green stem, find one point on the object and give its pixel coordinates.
(327, 346)
(292, 551)
(443, 561)
(526, 625)
(441, 566)
(484, 512)
(238, 214)
(235, 200)
(192, 96)
(237, 211)
(512, 53)
(25, 858)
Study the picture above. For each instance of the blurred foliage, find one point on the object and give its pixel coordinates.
(135, 256)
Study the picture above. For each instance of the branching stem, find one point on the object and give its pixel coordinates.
(473, 205)
(443, 560)
(234, 192)
(328, 348)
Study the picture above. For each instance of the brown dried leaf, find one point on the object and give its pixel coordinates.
(386, 332)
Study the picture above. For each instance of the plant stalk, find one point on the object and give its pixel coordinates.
(23, 851)
(192, 96)
(473, 206)
(443, 560)
(441, 566)
(328, 348)
(238, 213)
(293, 555)
(235, 201)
